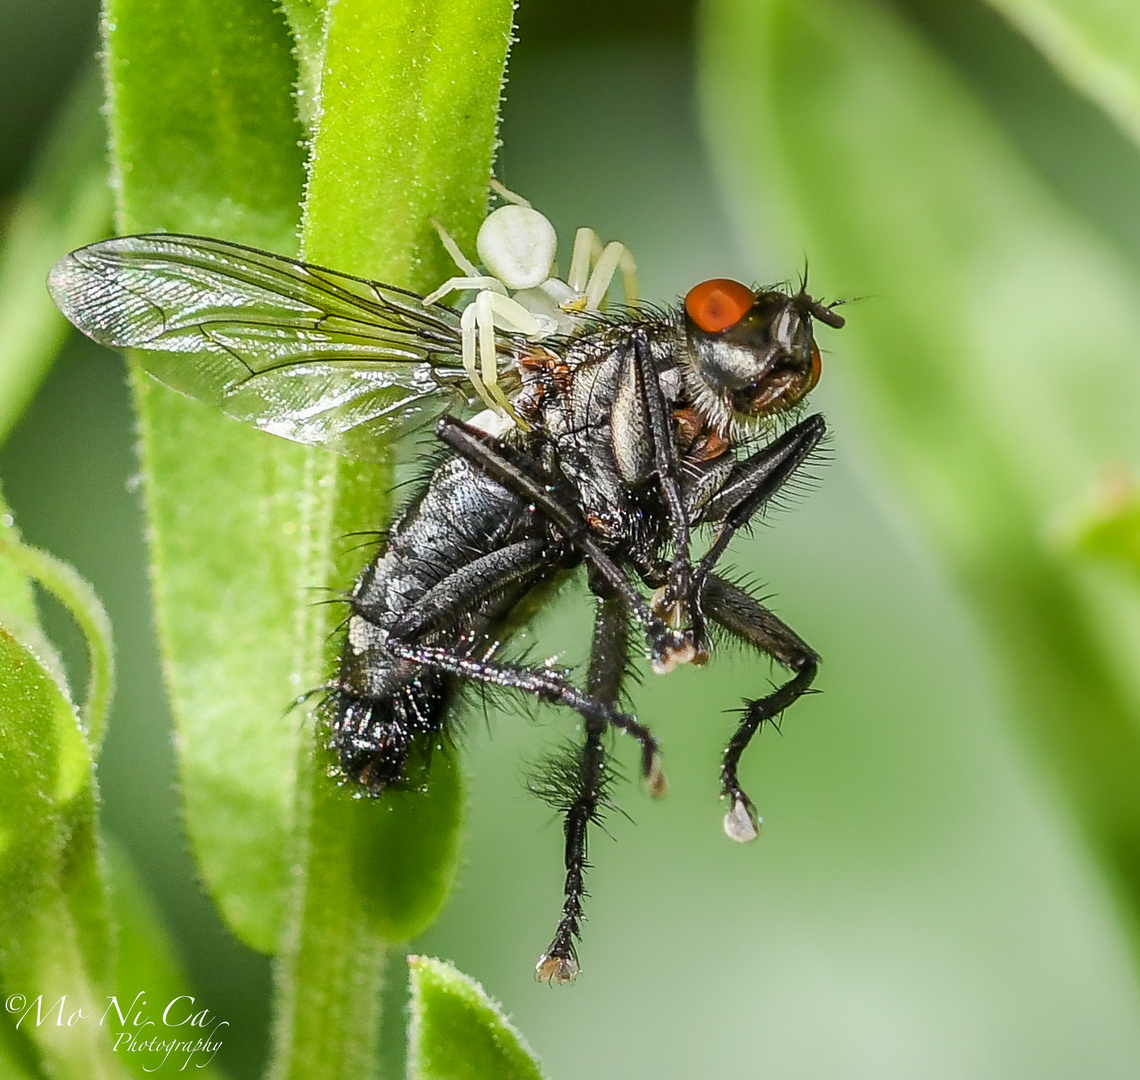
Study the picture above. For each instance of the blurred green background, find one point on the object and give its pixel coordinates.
(920, 903)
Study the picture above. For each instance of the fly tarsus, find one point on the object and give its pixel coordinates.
(749, 621)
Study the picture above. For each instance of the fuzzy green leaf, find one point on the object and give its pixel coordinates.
(457, 1032)
(83, 605)
(54, 934)
(407, 133)
(17, 600)
(306, 19)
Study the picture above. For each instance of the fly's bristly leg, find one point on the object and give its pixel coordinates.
(753, 483)
(748, 620)
(585, 801)
(546, 684)
(463, 589)
(517, 475)
(677, 588)
(380, 708)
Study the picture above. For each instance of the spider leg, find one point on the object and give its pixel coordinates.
(587, 250)
(493, 309)
(747, 619)
(614, 256)
(469, 330)
(453, 249)
(610, 651)
(506, 194)
(467, 282)
(591, 286)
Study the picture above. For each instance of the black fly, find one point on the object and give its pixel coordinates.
(624, 436)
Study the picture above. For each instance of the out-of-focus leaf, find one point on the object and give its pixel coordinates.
(17, 1056)
(66, 204)
(994, 354)
(1094, 44)
(458, 1033)
(148, 975)
(1107, 525)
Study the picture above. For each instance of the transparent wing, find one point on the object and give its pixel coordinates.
(306, 353)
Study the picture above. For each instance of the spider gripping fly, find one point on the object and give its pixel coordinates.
(635, 430)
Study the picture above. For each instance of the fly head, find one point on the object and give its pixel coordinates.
(752, 352)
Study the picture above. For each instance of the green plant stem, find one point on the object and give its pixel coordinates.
(406, 131)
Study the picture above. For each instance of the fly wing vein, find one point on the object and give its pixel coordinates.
(302, 351)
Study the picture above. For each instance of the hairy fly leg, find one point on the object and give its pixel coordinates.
(751, 486)
(659, 421)
(545, 683)
(747, 619)
(578, 790)
(442, 605)
(506, 466)
(746, 492)
(375, 734)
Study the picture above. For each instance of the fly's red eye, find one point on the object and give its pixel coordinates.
(718, 304)
(816, 368)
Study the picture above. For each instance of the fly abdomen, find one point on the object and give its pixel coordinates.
(444, 580)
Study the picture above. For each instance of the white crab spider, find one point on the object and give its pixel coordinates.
(519, 293)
